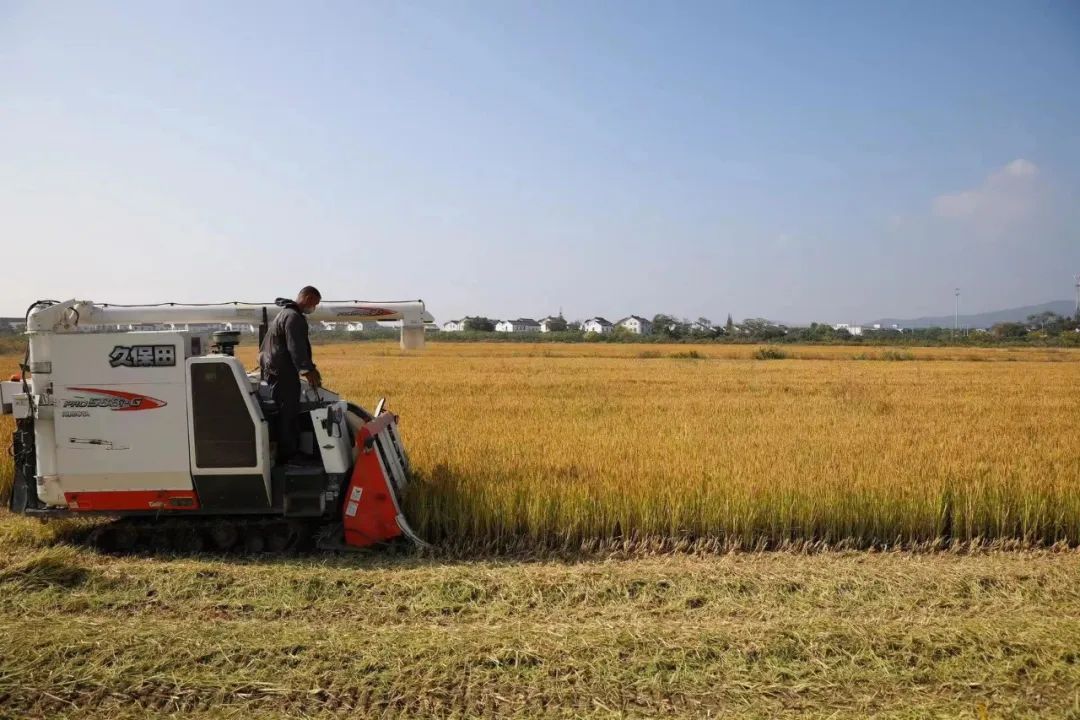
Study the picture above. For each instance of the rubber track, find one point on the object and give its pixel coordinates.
(226, 535)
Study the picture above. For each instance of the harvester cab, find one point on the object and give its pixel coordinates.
(144, 412)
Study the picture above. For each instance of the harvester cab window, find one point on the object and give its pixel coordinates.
(223, 428)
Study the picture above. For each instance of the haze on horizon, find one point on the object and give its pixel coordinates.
(836, 161)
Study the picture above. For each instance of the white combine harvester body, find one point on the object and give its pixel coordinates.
(169, 423)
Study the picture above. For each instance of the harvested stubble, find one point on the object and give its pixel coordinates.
(559, 446)
(840, 635)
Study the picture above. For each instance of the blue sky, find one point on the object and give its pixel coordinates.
(800, 161)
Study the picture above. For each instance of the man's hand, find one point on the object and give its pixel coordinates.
(314, 378)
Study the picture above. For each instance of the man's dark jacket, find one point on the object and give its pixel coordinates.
(286, 349)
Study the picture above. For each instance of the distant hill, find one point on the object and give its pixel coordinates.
(986, 319)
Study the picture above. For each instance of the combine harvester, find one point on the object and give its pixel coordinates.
(167, 430)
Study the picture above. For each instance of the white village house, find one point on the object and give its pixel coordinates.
(454, 325)
(597, 325)
(347, 327)
(552, 324)
(853, 329)
(243, 327)
(521, 325)
(636, 324)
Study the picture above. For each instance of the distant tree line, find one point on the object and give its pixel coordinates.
(1045, 328)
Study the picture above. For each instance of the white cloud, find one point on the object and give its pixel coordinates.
(1020, 168)
(1007, 195)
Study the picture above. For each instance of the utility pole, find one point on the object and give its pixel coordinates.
(956, 313)
(1077, 296)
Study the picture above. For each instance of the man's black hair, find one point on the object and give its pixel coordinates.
(309, 290)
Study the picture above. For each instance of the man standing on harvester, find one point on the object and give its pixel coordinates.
(284, 356)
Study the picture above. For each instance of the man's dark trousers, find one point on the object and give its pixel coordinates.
(285, 390)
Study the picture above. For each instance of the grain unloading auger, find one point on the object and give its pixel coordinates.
(164, 428)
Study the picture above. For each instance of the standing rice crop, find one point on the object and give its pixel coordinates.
(566, 445)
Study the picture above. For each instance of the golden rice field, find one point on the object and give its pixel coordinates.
(621, 449)
(523, 446)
